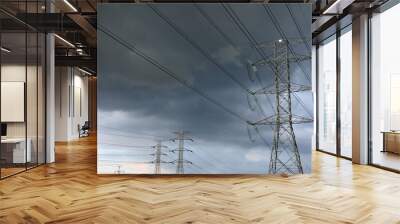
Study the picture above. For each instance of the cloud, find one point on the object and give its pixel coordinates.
(256, 155)
(139, 103)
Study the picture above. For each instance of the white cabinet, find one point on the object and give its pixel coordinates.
(19, 154)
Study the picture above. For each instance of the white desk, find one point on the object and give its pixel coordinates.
(19, 153)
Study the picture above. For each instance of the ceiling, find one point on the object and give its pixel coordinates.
(76, 20)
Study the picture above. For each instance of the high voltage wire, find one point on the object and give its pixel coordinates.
(132, 133)
(250, 37)
(303, 105)
(262, 138)
(283, 35)
(198, 47)
(132, 136)
(239, 24)
(234, 17)
(227, 39)
(204, 160)
(199, 168)
(115, 161)
(124, 154)
(298, 29)
(253, 42)
(162, 68)
(168, 72)
(208, 162)
(213, 24)
(128, 146)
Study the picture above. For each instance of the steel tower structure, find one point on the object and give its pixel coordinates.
(157, 157)
(285, 156)
(181, 138)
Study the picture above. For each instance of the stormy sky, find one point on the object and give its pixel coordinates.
(166, 68)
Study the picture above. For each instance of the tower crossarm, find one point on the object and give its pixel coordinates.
(282, 88)
(177, 150)
(183, 161)
(283, 119)
(161, 161)
(272, 44)
(274, 61)
(161, 154)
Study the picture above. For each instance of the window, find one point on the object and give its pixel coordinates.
(22, 88)
(346, 92)
(385, 89)
(327, 95)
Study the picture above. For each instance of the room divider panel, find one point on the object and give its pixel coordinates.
(204, 88)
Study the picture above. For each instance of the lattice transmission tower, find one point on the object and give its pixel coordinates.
(181, 138)
(285, 156)
(158, 153)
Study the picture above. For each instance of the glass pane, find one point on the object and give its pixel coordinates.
(327, 96)
(385, 89)
(13, 89)
(346, 93)
(31, 98)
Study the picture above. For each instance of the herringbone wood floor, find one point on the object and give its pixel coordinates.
(69, 191)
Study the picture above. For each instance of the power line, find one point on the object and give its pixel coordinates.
(283, 35)
(141, 147)
(299, 29)
(168, 72)
(303, 105)
(253, 42)
(203, 160)
(198, 47)
(214, 25)
(116, 161)
(200, 168)
(227, 39)
(129, 136)
(123, 154)
(132, 133)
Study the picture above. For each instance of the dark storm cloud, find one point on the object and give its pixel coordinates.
(135, 96)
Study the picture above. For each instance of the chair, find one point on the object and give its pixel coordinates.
(84, 130)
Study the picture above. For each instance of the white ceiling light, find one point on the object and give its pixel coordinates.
(338, 6)
(5, 50)
(64, 40)
(70, 5)
(84, 71)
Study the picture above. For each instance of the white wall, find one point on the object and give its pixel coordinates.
(71, 102)
(17, 73)
(33, 126)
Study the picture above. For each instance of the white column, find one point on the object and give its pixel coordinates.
(314, 91)
(50, 93)
(360, 90)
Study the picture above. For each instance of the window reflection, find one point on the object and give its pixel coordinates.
(385, 89)
(327, 96)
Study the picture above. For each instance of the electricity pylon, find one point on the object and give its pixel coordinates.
(181, 138)
(285, 156)
(157, 157)
(119, 171)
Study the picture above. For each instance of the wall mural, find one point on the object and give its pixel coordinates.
(204, 88)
